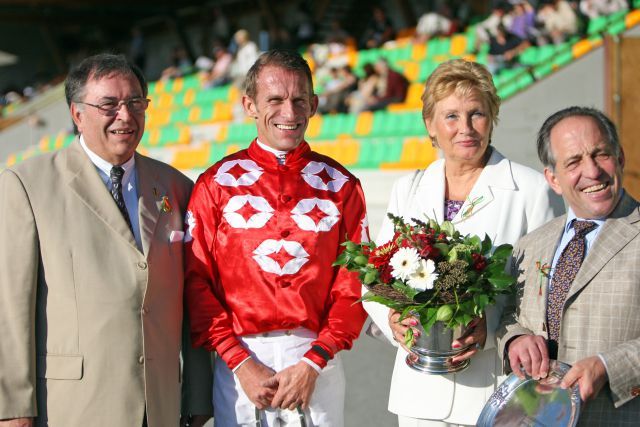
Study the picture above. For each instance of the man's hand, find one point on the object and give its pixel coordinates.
(253, 376)
(295, 385)
(529, 352)
(400, 328)
(474, 336)
(591, 375)
(17, 422)
(194, 420)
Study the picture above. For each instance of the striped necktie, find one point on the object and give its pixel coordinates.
(116, 191)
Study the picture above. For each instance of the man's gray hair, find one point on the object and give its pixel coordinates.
(96, 67)
(605, 124)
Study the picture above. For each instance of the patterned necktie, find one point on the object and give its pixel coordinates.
(116, 191)
(565, 271)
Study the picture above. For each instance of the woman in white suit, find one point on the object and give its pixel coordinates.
(481, 192)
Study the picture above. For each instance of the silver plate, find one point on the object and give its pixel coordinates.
(529, 402)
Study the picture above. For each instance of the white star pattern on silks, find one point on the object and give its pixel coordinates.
(268, 264)
(190, 222)
(257, 220)
(306, 223)
(310, 175)
(364, 234)
(252, 174)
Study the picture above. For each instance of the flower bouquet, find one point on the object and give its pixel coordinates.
(431, 271)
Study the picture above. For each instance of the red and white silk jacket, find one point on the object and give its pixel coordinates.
(260, 241)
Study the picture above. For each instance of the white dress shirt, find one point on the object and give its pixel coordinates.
(129, 185)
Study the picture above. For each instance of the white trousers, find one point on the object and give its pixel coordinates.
(279, 350)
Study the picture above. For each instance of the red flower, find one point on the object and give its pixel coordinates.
(385, 273)
(382, 254)
(429, 252)
(479, 262)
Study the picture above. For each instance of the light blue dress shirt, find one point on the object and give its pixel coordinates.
(129, 186)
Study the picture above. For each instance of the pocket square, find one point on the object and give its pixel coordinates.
(176, 236)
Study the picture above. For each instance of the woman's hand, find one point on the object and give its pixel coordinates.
(400, 328)
(474, 336)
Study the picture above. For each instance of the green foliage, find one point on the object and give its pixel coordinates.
(471, 273)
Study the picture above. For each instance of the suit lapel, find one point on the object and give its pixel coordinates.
(429, 198)
(150, 193)
(496, 173)
(548, 244)
(616, 233)
(540, 256)
(86, 183)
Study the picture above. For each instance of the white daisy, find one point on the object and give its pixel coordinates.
(424, 276)
(404, 263)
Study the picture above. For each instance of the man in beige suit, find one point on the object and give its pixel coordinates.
(594, 324)
(91, 279)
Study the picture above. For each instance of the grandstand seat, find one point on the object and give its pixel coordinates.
(597, 25)
(241, 132)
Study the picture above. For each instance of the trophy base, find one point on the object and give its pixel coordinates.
(435, 365)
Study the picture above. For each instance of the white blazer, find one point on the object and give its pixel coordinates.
(511, 201)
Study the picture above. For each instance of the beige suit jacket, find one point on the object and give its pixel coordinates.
(601, 314)
(91, 326)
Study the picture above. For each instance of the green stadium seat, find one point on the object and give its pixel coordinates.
(542, 70)
(597, 25)
(529, 56)
(241, 132)
(336, 124)
(180, 116)
(217, 152)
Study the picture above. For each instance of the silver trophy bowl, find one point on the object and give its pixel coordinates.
(431, 352)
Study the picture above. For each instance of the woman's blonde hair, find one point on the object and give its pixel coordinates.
(463, 78)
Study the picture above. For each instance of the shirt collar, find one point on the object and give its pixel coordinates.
(105, 167)
(571, 216)
(280, 155)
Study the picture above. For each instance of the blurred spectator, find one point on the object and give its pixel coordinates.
(220, 72)
(246, 54)
(180, 64)
(504, 49)
(378, 31)
(433, 24)
(489, 27)
(392, 87)
(595, 8)
(138, 48)
(559, 20)
(366, 91)
(333, 99)
(523, 21)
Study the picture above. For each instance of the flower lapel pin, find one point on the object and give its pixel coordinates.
(544, 270)
(471, 204)
(164, 205)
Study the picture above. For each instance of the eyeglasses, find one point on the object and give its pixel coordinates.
(111, 108)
